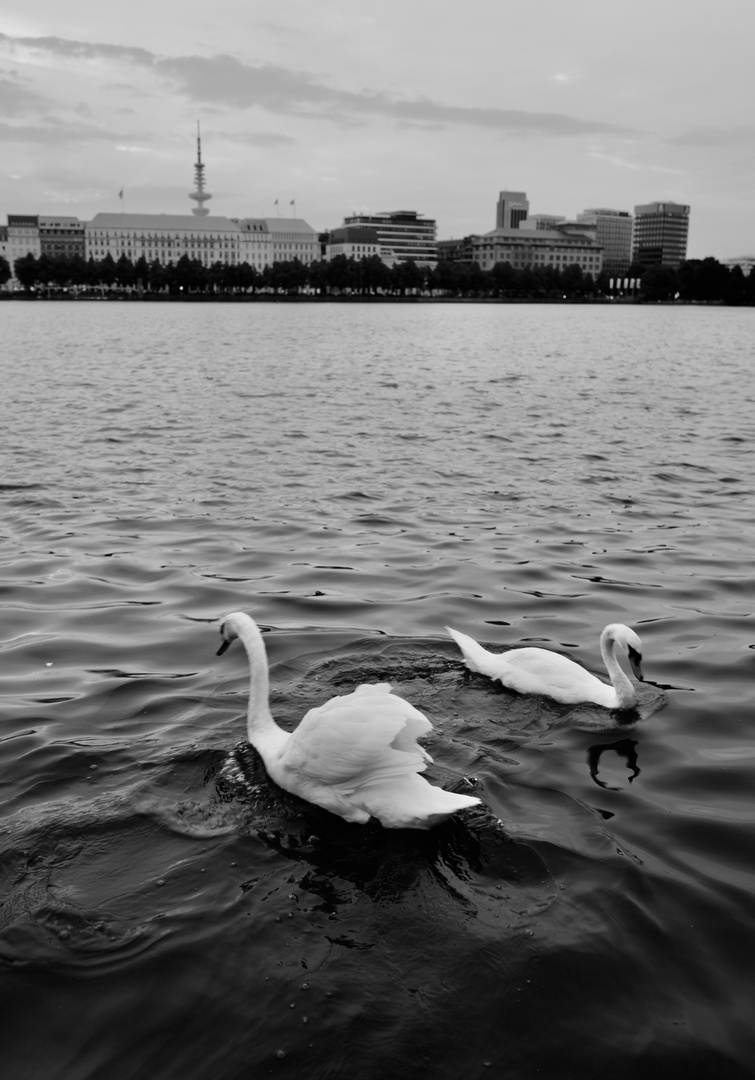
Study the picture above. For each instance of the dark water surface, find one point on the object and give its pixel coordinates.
(356, 477)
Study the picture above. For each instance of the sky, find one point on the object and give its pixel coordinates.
(346, 106)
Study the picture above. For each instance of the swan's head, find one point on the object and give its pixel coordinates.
(624, 638)
(229, 630)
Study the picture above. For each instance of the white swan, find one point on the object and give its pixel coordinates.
(540, 671)
(356, 755)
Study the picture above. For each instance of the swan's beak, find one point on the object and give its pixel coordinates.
(224, 645)
(635, 659)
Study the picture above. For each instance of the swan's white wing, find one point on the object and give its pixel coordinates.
(359, 737)
(540, 671)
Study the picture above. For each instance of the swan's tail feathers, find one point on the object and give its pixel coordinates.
(475, 657)
(410, 802)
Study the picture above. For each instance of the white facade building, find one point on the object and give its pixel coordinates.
(23, 237)
(568, 246)
(166, 237)
(269, 240)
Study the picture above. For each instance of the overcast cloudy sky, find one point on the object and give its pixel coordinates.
(344, 105)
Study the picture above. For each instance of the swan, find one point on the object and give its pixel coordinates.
(540, 671)
(356, 755)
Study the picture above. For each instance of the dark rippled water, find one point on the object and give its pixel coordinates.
(356, 477)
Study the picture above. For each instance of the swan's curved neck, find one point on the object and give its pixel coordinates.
(259, 719)
(622, 684)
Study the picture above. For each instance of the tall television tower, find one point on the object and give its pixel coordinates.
(200, 195)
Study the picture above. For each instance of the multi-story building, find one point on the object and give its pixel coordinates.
(463, 250)
(4, 253)
(353, 241)
(660, 234)
(512, 208)
(524, 247)
(265, 241)
(613, 231)
(542, 221)
(293, 238)
(61, 236)
(744, 262)
(23, 237)
(402, 235)
(256, 246)
(165, 237)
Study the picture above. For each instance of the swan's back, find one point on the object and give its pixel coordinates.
(370, 730)
(532, 670)
(358, 755)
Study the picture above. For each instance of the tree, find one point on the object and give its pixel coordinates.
(106, 272)
(504, 279)
(317, 276)
(342, 274)
(5, 274)
(749, 292)
(573, 280)
(659, 283)
(188, 275)
(408, 277)
(125, 275)
(141, 272)
(735, 289)
(158, 276)
(246, 277)
(374, 274)
(26, 271)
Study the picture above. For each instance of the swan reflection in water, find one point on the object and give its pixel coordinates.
(625, 748)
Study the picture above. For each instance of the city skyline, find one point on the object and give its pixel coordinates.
(346, 110)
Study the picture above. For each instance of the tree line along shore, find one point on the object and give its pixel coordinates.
(694, 281)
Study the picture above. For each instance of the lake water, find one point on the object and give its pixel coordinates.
(356, 477)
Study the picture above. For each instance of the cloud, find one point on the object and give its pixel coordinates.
(225, 80)
(78, 50)
(53, 133)
(622, 163)
(254, 138)
(15, 100)
(715, 136)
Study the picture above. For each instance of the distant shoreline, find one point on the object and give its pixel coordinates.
(200, 298)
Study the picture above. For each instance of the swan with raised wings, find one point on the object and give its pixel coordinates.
(357, 755)
(539, 671)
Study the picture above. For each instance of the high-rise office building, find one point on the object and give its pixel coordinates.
(512, 208)
(613, 231)
(402, 235)
(660, 234)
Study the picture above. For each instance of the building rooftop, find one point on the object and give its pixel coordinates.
(162, 221)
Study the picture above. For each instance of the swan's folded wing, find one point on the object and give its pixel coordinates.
(541, 671)
(358, 737)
